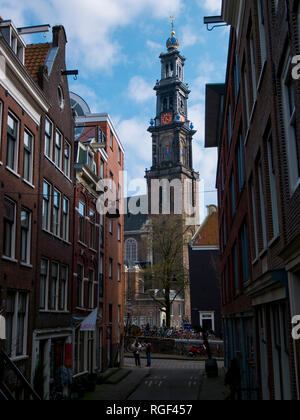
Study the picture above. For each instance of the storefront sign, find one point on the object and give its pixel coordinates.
(89, 324)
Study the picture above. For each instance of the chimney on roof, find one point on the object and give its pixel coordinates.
(59, 36)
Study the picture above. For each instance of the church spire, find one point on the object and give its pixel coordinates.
(172, 42)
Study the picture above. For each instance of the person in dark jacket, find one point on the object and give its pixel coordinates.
(136, 348)
(148, 353)
(233, 380)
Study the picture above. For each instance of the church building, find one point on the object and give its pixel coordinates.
(172, 183)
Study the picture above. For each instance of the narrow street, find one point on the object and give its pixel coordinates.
(166, 380)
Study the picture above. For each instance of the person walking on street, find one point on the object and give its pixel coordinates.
(148, 353)
(233, 380)
(136, 352)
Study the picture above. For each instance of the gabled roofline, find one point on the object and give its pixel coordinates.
(103, 117)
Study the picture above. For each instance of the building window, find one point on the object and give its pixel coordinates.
(101, 282)
(236, 270)
(28, 157)
(46, 205)
(25, 236)
(241, 163)
(9, 318)
(44, 281)
(119, 232)
(254, 218)
(48, 138)
(111, 140)
(92, 229)
(58, 148)
(65, 220)
(56, 212)
(262, 31)
(16, 324)
(91, 289)
(63, 288)
(273, 190)
(54, 286)
(60, 97)
(111, 181)
(236, 75)
(81, 225)
(247, 100)
(21, 324)
(12, 143)
(110, 268)
(111, 227)
(119, 273)
(110, 313)
(119, 156)
(80, 274)
(253, 69)
(232, 194)
(67, 160)
(289, 111)
(131, 250)
(229, 126)
(9, 228)
(262, 206)
(102, 169)
(207, 321)
(245, 252)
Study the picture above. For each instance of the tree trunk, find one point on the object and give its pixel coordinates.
(168, 308)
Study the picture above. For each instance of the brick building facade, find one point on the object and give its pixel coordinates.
(100, 160)
(263, 125)
(50, 224)
(204, 255)
(22, 105)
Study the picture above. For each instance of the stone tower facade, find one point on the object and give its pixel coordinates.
(172, 182)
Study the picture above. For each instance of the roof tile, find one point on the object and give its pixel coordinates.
(35, 57)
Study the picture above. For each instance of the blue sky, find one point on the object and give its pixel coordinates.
(115, 45)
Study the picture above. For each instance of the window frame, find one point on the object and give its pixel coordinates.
(58, 148)
(46, 287)
(65, 219)
(289, 127)
(12, 236)
(67, 159)
(13, 136)
(28, 236)
(48, 200)
(15, 325)
(81, 224)
(48, 139)
(28, 151)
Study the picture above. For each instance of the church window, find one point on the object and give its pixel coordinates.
(131, 248)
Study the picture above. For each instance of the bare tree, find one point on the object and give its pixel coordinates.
(167, 278)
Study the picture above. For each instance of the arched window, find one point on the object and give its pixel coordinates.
(131, 248)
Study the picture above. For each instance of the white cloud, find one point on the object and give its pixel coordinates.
(136, 140)
(139, 90)
(155, 46)
(212, 6)
(190, 37)
(90, 26)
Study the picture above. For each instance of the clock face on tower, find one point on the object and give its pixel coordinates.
(167, 118)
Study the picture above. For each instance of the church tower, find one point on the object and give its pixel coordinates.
(172, 174)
